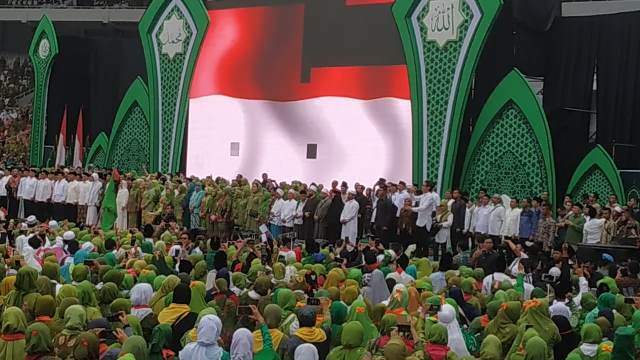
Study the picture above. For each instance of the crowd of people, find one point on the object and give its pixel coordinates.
(232, 269)
(16, 83)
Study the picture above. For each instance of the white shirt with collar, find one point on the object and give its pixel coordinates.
(592, 231)
(511, 225)
(481, 216)
(3, 184)
(21, 187)
(496, 220)
(276, 210)
(398, 200)
(28, 188)
(44, 188)
(288, 212)
(59, 191)
(298, 220)
(73, 192)
(83, 197)
(428, 203)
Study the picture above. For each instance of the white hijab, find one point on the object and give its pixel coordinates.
(306, 352)
(447, 317)
(377, 291)
(140, 296)
(206, 347)
(241, 345)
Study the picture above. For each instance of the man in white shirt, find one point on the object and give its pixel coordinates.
(349, 219)
(4, 178)
(288, 211)
(481, 219)
(399, 196)
(71, 202)
(59, 196)
(83, 197)
(275, 225)
(28, 193)
(511, 227)
(427, 205)
(593, 227)
(93, 200)
(44, 188)
(496, 220)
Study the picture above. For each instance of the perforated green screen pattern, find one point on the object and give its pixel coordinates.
(440, 68)
(508, 159)
(131, 142)
(99, 158)
(594, 181)
(171, 72)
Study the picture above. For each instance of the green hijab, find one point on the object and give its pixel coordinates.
(45, 306)
(159, 340)
(635, 323)
(399, 298)
(45, 286)
(199, 272)
(115, 276)
(13, 322)
(80, 273)
(536, 349)
(86, 295)
(349, 294)
(387, 323)
(51, 270)
(355, 274)
(591, 334)
(198, 291)
(75, 319)
(395, 349)
(157, 282)
(588, 302)
(423, 265)
(25, 284)
(120, 305)
(38, 339)
(538, 293)
(64, 305)
(437, 334)
(352, 341)
(157, 302)
(359, 312)
(147, 276)
(491, 348)
(137, 346)
(503, 326)
(87, 347)
(66, 291)
(286, 299)
(272, 316)
(623, 345)
(339, 313)
(108, 293)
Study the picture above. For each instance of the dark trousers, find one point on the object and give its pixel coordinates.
(71, 212)
(386, 236)
(3, 201)
(12, 204)
(57, 211)
(30, 209)
(423, 241)
(497, 240)
(457, 237)
(43, 211)
(439, 250)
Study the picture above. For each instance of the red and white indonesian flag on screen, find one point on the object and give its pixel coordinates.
(247, 89)
(61, 152)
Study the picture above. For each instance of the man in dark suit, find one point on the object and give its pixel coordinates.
(308, 223)
(385, 216)
(459, 210)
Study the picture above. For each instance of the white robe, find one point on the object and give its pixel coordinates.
(122, 199)
(349, 220)
(92, 202)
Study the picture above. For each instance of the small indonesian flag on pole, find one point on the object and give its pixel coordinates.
(61, 152)
(77, 149)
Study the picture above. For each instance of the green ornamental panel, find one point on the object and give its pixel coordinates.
(43, 50)
(442, 41)
(597, 173)
(131, 133)
(171, 32)
(99, 151)
(510, 151)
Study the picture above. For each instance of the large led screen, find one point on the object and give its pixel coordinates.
(301, 92)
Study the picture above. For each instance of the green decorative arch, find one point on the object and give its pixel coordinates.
(42, 51)
(171, 32)
(98, 152)
(131, 132)
(510, 150)
(440, 76)
(597, 173)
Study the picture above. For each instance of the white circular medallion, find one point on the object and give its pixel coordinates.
(43, 48)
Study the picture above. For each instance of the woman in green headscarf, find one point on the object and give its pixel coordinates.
(58, 321)
(136, 346)
(360, 313)
(436, 345)
(286, 299)
(536, 349)
(272, 315)
(352, 340)
(399, 299)
(87, 347)
(159, 341)
(536, 316)
(591, 338)
(87, 298)
(75, 320)
(503, 326)
(45, 310)
(157, 282)
(106, 295)
(588, 302)
(200, 271)
(115, 276)
(491, 348)
(349, 294)
(51, 270)
(79, 273)
(339, 313)
(605, 301)
(38, 342)
(157, 302)
(45, 286)
(355, 274)
(24, 294)
(423, 265)
(468, 287)
(387, 323)
(14, 326)
(623, 345)
(198, 291)
(334, 278)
